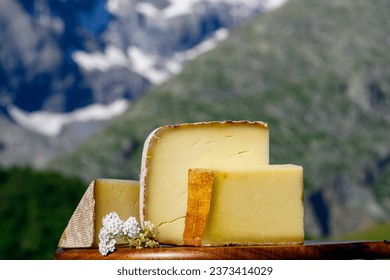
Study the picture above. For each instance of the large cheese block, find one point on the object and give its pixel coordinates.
(246, 206)
(101, 197)
(170, 151)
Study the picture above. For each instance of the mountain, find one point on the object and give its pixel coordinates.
(61, 59)
(69, 54)
(317, 72)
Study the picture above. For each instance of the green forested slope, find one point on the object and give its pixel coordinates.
(35, 209)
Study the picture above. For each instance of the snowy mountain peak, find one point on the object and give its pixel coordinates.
(100, 51)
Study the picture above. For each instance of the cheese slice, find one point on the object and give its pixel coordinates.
(101, 197)
(170, 151)
(248, 206)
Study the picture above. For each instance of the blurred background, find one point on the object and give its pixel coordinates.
(83, 82)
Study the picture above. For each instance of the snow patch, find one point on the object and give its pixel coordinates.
(205, 46)
(145, 65)
(274, 4)
(119, 7)
(112, 57)
(180, 7)
(153, 68)
(147, 9)
(158, 72)
(51, 124)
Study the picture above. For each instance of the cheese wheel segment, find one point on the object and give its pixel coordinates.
(101, 197)
(114, 195)
(170, 151)
(262, 205)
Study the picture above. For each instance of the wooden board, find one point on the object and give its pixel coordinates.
(308, 250)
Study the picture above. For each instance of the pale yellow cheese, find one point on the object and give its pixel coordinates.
(101, 197)
(170, 151)
(120, 196)
(251, 206)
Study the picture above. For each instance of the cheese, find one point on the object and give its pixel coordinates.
(101, 197)
(170, 151)
(248, 206)
(80, 231)
(120, 196)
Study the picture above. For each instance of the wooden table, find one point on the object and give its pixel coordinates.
(309, 250)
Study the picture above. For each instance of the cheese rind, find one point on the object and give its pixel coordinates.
(170, 151)
(262, 205)
(80, 231)
(101, 197)
(200, 186)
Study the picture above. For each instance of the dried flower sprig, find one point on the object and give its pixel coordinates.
(129, 231)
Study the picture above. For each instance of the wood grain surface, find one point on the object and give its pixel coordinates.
(309, 250)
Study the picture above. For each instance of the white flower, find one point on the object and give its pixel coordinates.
(107, 246)
(104, 235)
(112, 227)
(113, 224)
(131, 228)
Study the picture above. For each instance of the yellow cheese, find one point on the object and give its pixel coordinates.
(120, 196)
(101, 197)
(170, 151)
(249, 206)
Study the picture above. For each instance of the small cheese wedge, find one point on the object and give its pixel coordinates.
(101, 197)
(262, 205)
(120, 196)
(170, 151)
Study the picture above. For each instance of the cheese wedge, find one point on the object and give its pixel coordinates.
(170, 151)
(248, 206)
(120, 196)
(101, 197)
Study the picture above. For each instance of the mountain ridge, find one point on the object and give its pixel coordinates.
(49, 70)
(62, 59)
